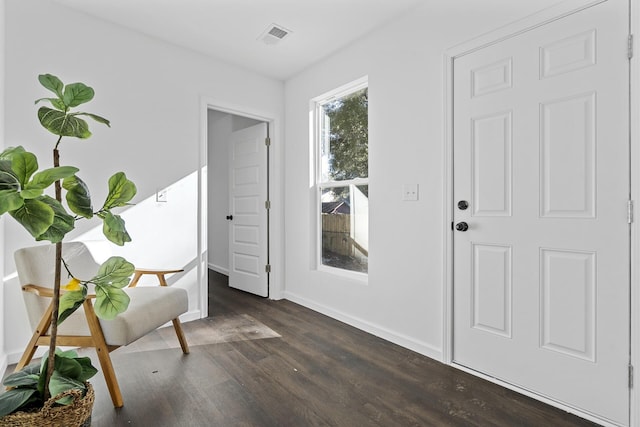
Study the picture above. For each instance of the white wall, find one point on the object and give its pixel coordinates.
(3, 353)
(151, 91)
(403, 298)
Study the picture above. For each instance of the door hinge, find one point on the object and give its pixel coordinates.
(267, 142)
(630, 375)
(267, 268)
(629, 211)
(267, 204)
(630, 46)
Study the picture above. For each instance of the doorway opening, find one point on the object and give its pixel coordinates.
(238, 199)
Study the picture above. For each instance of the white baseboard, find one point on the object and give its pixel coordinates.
(379, 331)
(218, 269)
(191, 315)
(15, 355)
(3, 365)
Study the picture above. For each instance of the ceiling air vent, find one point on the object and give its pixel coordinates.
(274, 34)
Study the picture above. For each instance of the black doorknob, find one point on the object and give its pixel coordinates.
(230, 217)
(462, 226)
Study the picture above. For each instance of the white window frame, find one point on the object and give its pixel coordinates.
(319, 184)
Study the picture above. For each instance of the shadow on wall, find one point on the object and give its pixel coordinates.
(164, 227)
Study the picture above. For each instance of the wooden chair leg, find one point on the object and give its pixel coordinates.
(103, 355)
(40, 331)
(134, 280)
(163, 282)
(183, 341)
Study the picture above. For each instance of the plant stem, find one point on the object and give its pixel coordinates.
(56, 286)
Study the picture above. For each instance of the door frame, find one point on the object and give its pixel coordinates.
(207, 103)
(521, 26)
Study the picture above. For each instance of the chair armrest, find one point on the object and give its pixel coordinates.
(138, 273)
(148, 271)
(41, 291)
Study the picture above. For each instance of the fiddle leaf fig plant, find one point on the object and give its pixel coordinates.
(25, 194)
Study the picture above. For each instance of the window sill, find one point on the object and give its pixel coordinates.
(361, 278)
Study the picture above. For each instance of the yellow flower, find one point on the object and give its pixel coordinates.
(73, 285)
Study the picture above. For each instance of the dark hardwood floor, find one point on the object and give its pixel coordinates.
(320, 372)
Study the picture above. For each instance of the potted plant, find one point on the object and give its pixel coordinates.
(46, 218)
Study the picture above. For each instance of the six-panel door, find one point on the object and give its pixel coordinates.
(541, 155)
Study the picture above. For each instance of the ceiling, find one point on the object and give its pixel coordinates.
(229, 30)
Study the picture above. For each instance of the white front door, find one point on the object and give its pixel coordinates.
(248, 233)
(541, 158)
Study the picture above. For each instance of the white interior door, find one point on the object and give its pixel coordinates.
(541, 156)
(248, 244)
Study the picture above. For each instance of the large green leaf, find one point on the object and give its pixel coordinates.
(8, 178)
(52, 83)
(113, 228)
(69, 302)
(35, 216)
(60, 383)
(24, 165)
(78, 196)
(121, 191)
(62, 222)
(41, 180)
(10, 200)
(9, 152)
(69, 354)
(32, 193)
(25, 377)
(59, 361)
(88, 370)
(80, 368)
(114, 272)
(46, 177)
(76, 94)
(95, 117)
(110, 302)
(67, 367)
(60, 123)
(57, 103)
(13, 399)
(33, 369)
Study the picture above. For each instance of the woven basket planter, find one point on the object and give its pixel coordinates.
(76, 414)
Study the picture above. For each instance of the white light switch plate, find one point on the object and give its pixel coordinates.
(161, 196)
(409, 192)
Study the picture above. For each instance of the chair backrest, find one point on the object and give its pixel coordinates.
(36, 266)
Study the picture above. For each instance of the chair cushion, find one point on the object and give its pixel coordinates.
(150, 307)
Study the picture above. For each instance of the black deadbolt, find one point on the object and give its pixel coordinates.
(463, 205)
(230, 217)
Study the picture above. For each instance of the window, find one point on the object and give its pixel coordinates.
(342, 178)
